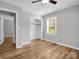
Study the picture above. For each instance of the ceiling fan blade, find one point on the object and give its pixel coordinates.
(52, 1)
(36, 1)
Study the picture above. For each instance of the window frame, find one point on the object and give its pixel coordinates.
(55, 20)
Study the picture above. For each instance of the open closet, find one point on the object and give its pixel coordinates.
(35, 28)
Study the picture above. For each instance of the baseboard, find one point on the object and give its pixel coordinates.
(26, 43)
(14, 42)
(63, 44)
(19, 46)
(9, 36)
(23, 44)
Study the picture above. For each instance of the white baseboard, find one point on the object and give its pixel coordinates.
(63, 44)
(26, 43)
(19, 46)
(9, 36)
(23, 44)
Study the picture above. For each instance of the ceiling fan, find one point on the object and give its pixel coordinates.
(45, 1)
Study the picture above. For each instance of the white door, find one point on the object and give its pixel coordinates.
(1, 31)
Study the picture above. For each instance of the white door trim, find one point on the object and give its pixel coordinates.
(10, 19)
(2, 30)
(41, 26)
(8, 10)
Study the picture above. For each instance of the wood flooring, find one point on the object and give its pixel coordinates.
(38, 49)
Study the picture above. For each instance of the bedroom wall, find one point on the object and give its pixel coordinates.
(67, 27)
(26, 27)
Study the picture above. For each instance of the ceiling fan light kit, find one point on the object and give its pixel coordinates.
(45, 1)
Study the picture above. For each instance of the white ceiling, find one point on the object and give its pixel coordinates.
(41, 9)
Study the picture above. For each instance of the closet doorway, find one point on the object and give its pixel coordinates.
(35, 29)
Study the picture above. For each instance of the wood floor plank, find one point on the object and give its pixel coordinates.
(37, 49)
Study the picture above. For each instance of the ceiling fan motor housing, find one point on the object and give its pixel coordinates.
(45, 1)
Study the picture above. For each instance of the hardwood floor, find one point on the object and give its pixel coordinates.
(39, 49)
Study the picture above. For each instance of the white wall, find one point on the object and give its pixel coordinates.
(67, 27)
(25, 27)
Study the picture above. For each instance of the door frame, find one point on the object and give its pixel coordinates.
(10, 19)
(16, 21)
(2, 22)
(41, 26)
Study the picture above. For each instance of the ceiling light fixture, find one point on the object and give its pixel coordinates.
(45, 1)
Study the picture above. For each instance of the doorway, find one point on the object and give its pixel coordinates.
(35, 29)
(8, 30)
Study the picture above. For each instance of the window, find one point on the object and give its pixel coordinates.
(51, 25)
